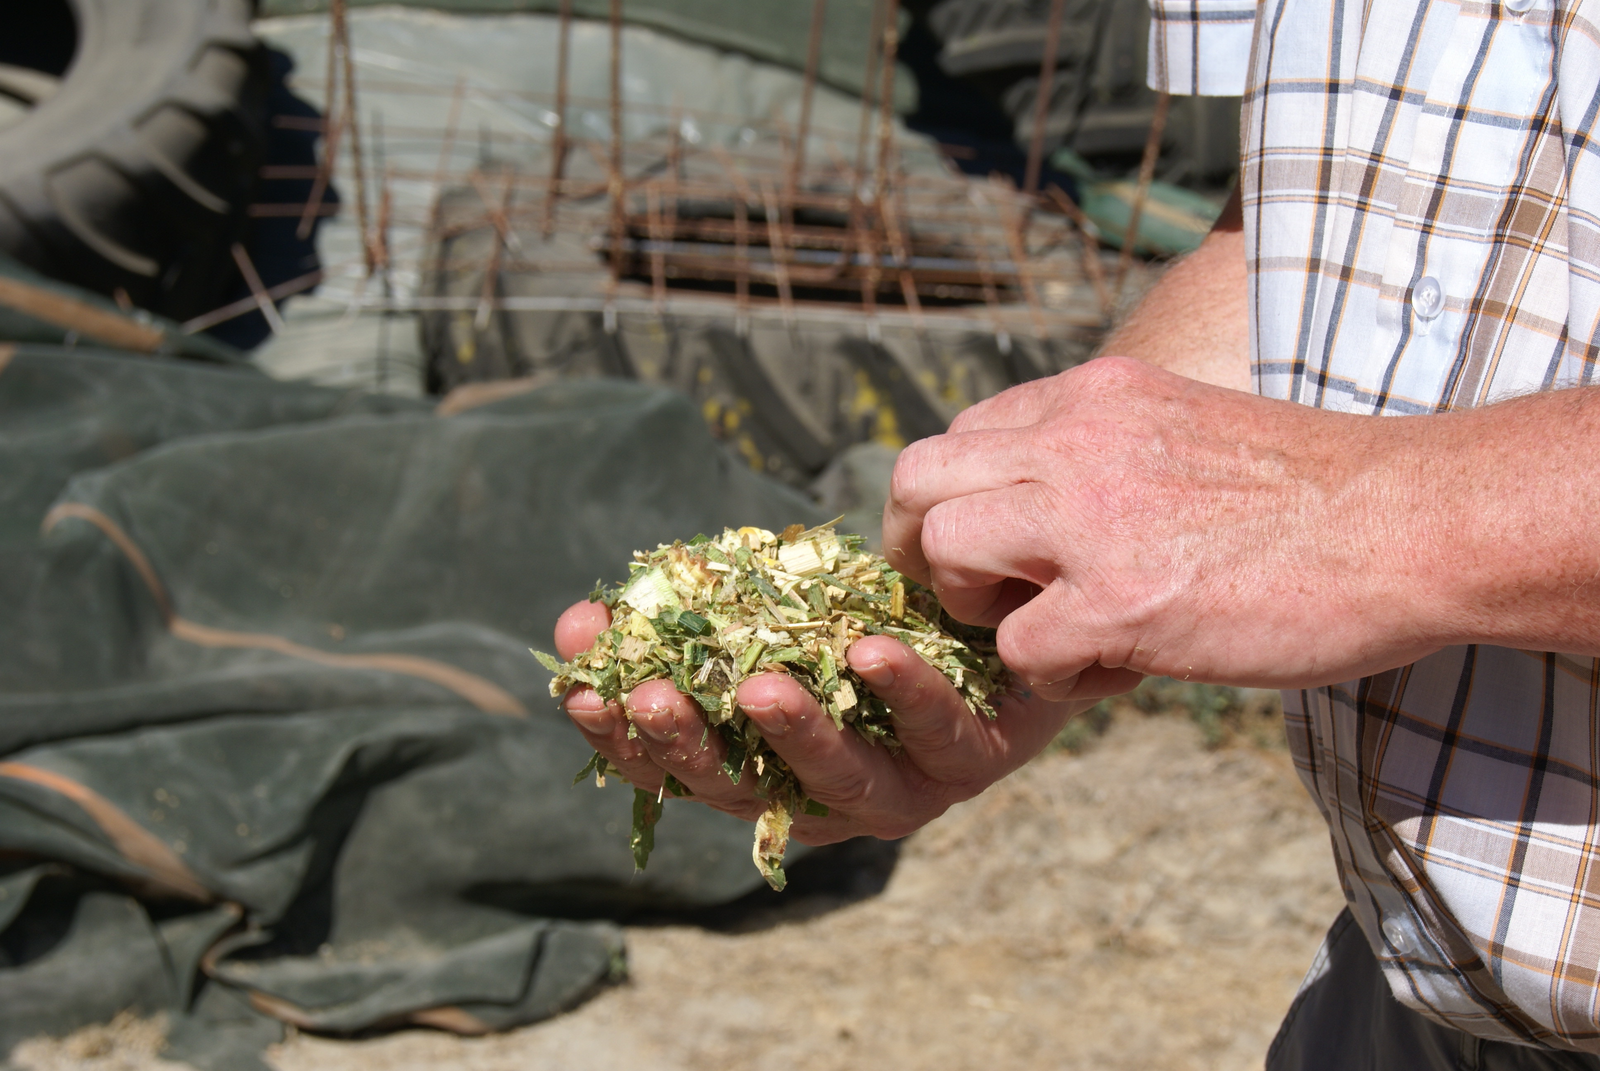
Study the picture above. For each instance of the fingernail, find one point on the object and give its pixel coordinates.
(597, 721)
(879, 674)
(772, 718)
(658, 725)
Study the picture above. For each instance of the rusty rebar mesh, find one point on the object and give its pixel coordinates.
(949, 232)
(810, 273)
(852, 234)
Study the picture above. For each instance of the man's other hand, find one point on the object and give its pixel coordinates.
(1118, 520)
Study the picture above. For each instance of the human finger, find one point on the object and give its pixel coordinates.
(944, 738)
(674, 734)
(1087, 687)
(602, 723)
(975, 545)
(988, 605)
(941, 468)
(837, 768)
(578, 626)
(605, 726)
(1096, 682)
(1045, 646)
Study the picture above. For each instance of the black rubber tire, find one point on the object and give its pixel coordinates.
(135, 174)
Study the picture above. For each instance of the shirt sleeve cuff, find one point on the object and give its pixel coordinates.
(1200, 47)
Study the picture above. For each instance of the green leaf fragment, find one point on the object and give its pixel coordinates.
(646, 813)
(813, 808)
(596, 765)
(763, 585)
(826, 668)
(733, 765)
(817, 597)
(694, 624)
(870, 596)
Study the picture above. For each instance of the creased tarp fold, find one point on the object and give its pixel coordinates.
(272, 747)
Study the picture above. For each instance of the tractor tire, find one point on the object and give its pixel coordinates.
(131, 144)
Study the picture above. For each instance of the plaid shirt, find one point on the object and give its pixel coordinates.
(1422, 218)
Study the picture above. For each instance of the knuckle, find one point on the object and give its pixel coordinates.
(1111, 372)
(850, 792)
(927, 802)
(688, 758)
(1040, 508)
(967, 419)
(981, 414)
(943, 734)
(631, 753)
(913, 713)
(1084, 436)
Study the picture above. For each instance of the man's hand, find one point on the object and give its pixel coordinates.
(1119, 520)
(949, 754)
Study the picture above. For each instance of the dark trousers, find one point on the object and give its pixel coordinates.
(1347, 1020)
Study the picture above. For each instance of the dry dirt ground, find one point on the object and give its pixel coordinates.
(1147, 903)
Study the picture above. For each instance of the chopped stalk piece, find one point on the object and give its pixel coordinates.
(649, 592)
(772, 840)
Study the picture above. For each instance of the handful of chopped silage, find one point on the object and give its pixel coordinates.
(708, 613)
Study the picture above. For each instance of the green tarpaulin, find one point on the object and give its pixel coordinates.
(272, 747)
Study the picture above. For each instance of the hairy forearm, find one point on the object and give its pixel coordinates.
(1505, 522)
(1195, 321)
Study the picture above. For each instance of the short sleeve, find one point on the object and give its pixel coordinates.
(1200, 48)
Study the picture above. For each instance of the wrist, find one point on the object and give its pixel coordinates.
(1377, 540)
(1499, 531)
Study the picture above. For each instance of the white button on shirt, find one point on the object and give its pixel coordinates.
(1395, 933)
(1427, 299)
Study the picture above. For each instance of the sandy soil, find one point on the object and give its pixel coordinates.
(1147, 903)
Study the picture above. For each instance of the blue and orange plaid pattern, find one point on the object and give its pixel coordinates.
(1421, 193)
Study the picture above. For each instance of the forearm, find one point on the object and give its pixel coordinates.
(1506, 523)
(1195, 321)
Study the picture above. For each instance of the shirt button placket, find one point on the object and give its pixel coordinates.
(1517, 7)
